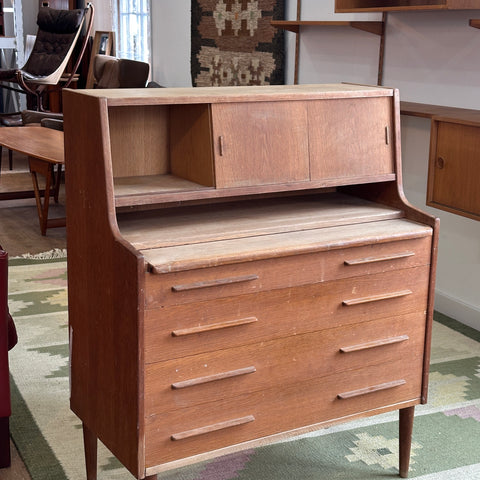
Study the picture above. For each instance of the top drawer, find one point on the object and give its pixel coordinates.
(237, 279)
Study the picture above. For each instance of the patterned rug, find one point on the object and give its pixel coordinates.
(446, 440)
(233, 43)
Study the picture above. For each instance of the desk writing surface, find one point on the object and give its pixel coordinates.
(39, 142)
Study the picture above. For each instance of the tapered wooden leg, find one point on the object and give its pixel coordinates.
(406, 429)
(90, 446)
(4, 442)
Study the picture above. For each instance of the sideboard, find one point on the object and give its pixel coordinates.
(243, 266)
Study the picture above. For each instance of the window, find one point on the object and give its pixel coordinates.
(133, 27)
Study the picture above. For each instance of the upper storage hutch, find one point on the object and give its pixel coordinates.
(242, 266)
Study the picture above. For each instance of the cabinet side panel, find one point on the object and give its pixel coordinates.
(139, 140)
(191, 143)
(104, 278)
(260, 143)
(351, 138)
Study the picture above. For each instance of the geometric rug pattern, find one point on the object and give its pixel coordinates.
(446, 436)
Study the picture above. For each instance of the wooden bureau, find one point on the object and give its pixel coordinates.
(243, 266)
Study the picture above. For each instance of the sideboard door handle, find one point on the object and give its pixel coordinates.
(221, 145)
(181, 332)
(213, 378)
(212, 428)
(376, 298)
(214, 283)
(372, 389)
(379, 258)
(374, 344)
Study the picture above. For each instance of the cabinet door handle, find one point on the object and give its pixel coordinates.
(221, 145)
(374, 344)
(212, 428)
(440, 162)
(213, 378)
(372, 389)
(376, 298)
(213, 283)
(379, 258)
(213, 326)
(387, 135)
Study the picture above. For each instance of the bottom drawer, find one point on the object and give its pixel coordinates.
(190, 431)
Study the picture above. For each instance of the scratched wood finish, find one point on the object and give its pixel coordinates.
(264, 365)
(282, 272)
(155, 296)
(300, 404)
(310, 305)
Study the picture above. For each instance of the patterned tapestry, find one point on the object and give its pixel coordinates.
(233, 43)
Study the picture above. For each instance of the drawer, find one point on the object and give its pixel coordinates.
(189, 329)
(237, 279)
(208, 377)
(189, 431)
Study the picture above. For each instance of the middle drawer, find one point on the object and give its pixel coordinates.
(186, 330)
(213, 376)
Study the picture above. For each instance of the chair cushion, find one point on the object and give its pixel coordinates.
(59, 21)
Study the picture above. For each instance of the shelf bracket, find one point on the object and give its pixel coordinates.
(475, 23)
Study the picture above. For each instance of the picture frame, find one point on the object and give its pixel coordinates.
(103, 44)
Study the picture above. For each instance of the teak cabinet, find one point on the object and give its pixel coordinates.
(242, 266)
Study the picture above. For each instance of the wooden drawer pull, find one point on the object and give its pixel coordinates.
(380, 258)
(213, 378)
(374, 343)
(372, 389)
(212, 428)
(214, 283)
(213, 326)
(376, 298)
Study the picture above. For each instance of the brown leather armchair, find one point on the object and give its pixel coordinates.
(8, 338)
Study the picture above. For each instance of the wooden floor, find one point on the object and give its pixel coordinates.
(19, 234)
(19, 225)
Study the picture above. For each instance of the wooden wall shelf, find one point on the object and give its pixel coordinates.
(294, 25)
(375, 27)
(475, 23)
(453, 167)
(344, 6)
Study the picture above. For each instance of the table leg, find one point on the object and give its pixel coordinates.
(90, 446)
(43, 168)
(57, 181)
(406, 429)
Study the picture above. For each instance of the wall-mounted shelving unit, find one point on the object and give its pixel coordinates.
(453, 167)
(375, 27)
(348, 6)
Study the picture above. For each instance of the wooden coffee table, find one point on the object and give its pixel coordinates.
(44, 147)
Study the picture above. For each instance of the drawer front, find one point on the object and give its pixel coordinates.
(214, 376)
(183, 330)
(189, 431)
(225, 281)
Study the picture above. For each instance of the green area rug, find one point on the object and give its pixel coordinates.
(446, 439)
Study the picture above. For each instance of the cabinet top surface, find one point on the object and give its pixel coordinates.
(185, 95)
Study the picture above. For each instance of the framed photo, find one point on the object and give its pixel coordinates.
(103, 44)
